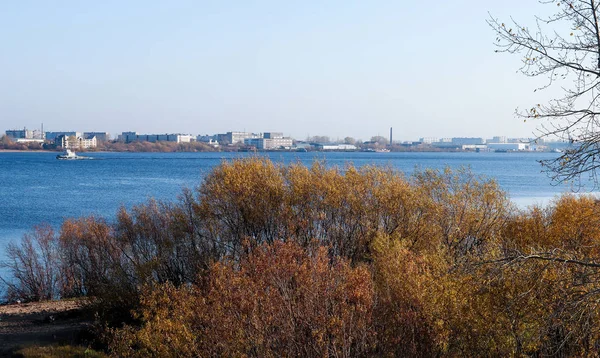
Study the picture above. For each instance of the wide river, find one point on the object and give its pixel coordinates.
(37, 188)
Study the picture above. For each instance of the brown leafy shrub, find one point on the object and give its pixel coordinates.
(346, 210)
(570, 223)
(468, 211)
(257, 200)
(330, 206)
(242, 200)
(526, 307)
(407, 301)
(546, 270)
(575, 224)
(281, 300)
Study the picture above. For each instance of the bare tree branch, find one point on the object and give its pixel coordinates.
(564, 48)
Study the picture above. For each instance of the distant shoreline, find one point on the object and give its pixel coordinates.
(257, 151)
(26, 151)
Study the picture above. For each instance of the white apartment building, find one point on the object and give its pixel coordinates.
(269, 143)
(73, 142)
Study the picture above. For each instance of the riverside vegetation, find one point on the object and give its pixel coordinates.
(271, 260)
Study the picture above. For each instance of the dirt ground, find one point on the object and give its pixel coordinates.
(41, 323)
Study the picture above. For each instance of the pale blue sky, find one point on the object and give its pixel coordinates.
(337, 68)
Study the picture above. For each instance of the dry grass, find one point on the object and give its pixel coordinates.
(58, 352)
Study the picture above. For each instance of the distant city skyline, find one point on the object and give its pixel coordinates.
(309, 68)
(25, 132)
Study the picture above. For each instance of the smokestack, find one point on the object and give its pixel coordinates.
(391, 136)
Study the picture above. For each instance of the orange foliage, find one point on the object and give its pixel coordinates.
(280, 300)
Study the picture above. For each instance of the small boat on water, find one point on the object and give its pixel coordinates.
(70, 155)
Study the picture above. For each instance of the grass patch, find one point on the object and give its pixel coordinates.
(59, 352)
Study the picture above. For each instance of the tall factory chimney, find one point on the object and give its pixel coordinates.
(391, 136)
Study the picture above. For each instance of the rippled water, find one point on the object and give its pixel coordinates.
(37, 188)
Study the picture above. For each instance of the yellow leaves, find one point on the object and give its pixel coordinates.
(575, 224)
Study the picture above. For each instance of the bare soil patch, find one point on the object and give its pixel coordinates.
(41, 323)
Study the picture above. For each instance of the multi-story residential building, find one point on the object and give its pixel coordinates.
(19, 133)
(269, 143)
(236, 137)
(428, 140)
(74, 142)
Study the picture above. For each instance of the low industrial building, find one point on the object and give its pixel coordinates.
(508, 146)
(129, 137)
(340, 147)
(100, 136)
(467, 141)
(51, 136)
(25, 134)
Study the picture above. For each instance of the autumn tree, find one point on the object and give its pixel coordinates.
(279, 301)
(563, 48)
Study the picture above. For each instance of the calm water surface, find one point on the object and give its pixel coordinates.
(37, 188)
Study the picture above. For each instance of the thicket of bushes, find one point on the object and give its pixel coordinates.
(273, 260)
